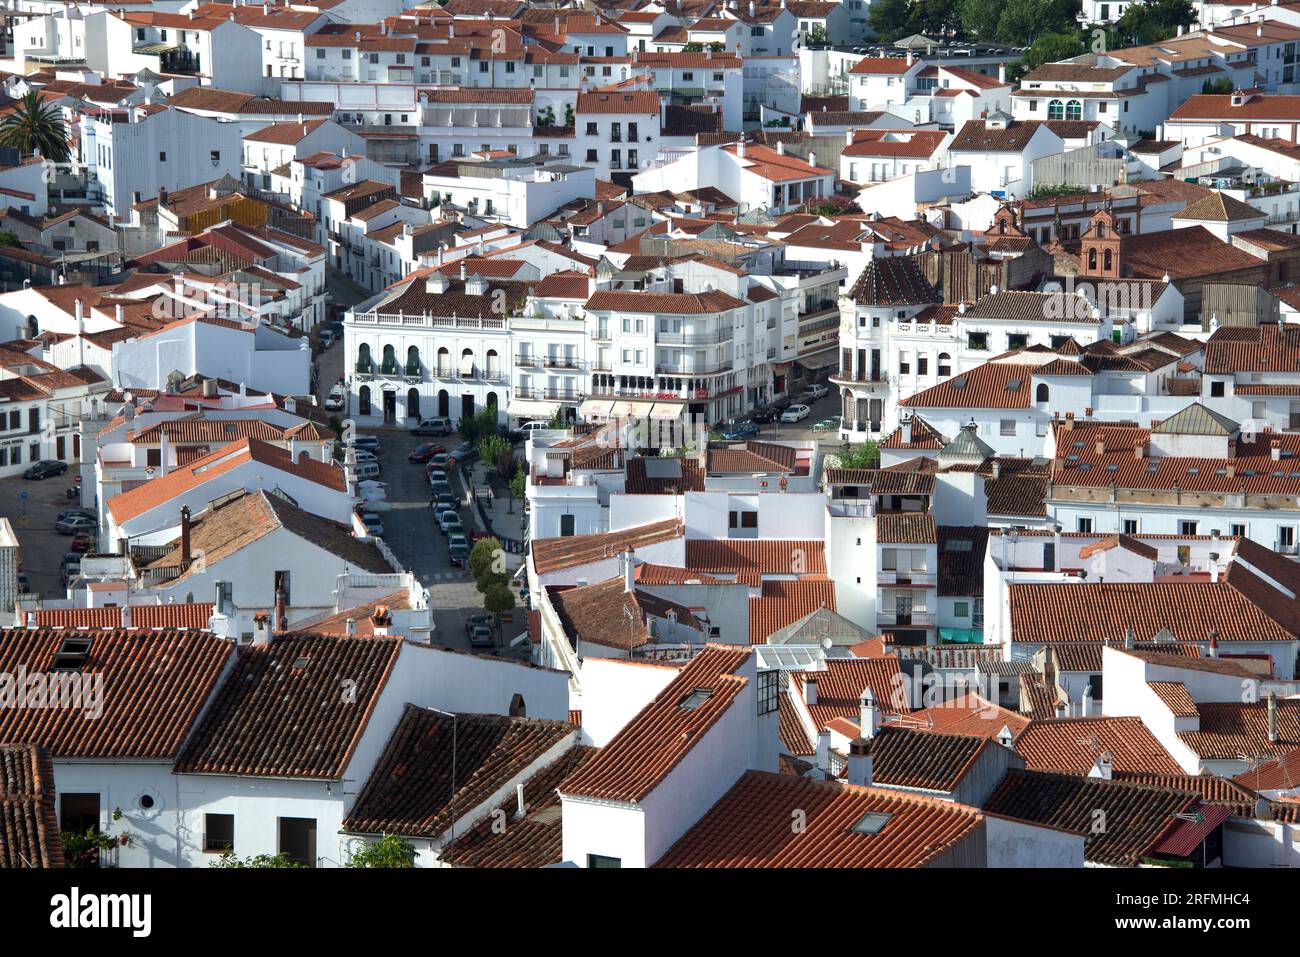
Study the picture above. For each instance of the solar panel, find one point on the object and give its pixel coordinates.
(663, 468)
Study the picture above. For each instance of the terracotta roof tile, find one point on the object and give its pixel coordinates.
(969, 714)
(154, 685)
(751, 558)
(783, 603)
(750, 827)
(29, 826)
(409, 792)
(555, 554)
(1072, 745)
(277, 714)
(175, 615)
(639, 757)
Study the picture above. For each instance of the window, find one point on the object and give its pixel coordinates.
(347, 54)
(1017, 340)
(961, 609)
(1238, 530)
(591, 156)
(78, 812)
(904, 366)
(591, 129)
(945, 364)
(297, 839)
(1216, 389)
(1083, 524)
(218, 833)
(769, 691)
(978, 341)
(566, 525)
(1187, 527)
(922, 365)
(1055, 110)
(162, 156)
(1130, 526)
(600, 860)
(1007, 427)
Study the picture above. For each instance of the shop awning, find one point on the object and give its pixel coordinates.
(595, 409)
(532, 408)
(962, 636)
(623, 410)
(819, 360)
(667, 411)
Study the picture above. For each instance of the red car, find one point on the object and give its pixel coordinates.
(82, 542)
(425, 452)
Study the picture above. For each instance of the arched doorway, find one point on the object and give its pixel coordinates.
(444, 403)
(467, 406)
(412, 403)
(390, 406)
(492, 400)
(363, 401)
(444, 362)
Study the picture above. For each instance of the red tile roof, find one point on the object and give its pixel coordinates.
(751, 558)
(29, 826)
(1232, 729)
(409, 792)
(841, 683)
(175, 615)
(556, 554)
(1072, 745)
(750, 827)
(279, 713)
(785, 602)
(969, 714)
(993, 385)
(639, 757)
(154, 685)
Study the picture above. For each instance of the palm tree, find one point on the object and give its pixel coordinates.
(33, 126)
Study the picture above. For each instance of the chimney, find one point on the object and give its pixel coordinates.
(281, 617)
(1101, 442)
(997, 469)
(810, 691)
(812, 159)
(1128, 638)
(859, 764)
(910, 58)
(751, 7)
(1086, 707)
(780, 148)
(381, 622)
(521, 806)
(1139, 450)
(824, 752)
(1002, 73)
(848, 137)
(1103, 768)
(629, 571)
(350, 627)
(906, 426)
(1275, 449)
(868, 714)
(740, 148)
(1213, 650)
(262, 628)
(1272, 717)
(186, 556)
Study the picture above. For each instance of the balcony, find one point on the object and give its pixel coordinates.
(560, 362)
(550, 395)
(895, 579)
(528, 362)
(600, 335)
(694, 369)
(916, 619)
(693, 338)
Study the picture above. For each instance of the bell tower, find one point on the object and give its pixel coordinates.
(1099, 246)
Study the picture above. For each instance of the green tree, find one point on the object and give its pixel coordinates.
(392, 851)
(1024, 21)
(499, 599)
(83, 850)
(1222, 86)
(483, 555)
(891, 19)
(1154, 20)
(979, 18)
(7, 238)
(228, 859)
(557, 420)
(546, 117)
(519, 484)
(483, 423)
(863, 455)
(817, 36)
(491, 447)
(568, 114)
(1048, 49)
(36, 127)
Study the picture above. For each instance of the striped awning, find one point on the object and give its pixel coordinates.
(595, 409)
(532, 408)
(667, 411)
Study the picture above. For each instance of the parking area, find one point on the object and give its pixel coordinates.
(410, 531)
(41, 547)
(823, 408)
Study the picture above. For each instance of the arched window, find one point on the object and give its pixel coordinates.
(389, 366)
(467, 364)
(1055, 110)
(444, 361)
(517, 707)
(492, 364)
(1041, 393)
(363, 358)
(1074, 110)
(412, 403)
(945, 364)
(491, 400)
(1092, 258)
(363, 401)
(413, 361)
(1106, 260)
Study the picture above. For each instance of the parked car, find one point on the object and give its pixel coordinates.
(781, 403)
(458, 549)
(71, 566)
(363, 456)
(817, 391)
(82, 542)
(69, 512)
(449, 522)
(534, 426)
(741, 430)
(369, 443)
(480, 636)
(326, 338)
(367, 471)
(437, 425)
(444, 500)
(482, 619)
(465, 452)
(334, 401)
(796, 413)
(373, 523)
(439, 488)
(438, 462)
(75, 523)
(43, 470)
(422, 453)
(764, 416)
(441, 509)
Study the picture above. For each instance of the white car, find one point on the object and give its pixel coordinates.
(796, 413)
(818, 391)
(334, 401)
